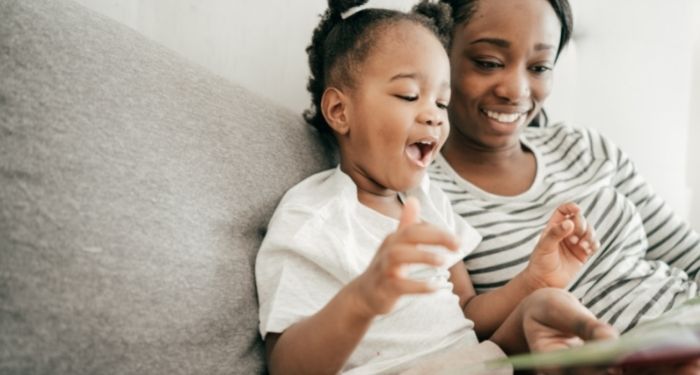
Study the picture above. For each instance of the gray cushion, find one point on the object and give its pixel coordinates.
(134, 189)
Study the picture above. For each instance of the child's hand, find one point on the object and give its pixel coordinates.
(384, 281)
(566, 243)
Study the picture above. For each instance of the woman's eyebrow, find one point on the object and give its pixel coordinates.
(543, 47)
(494, 41)
(502, 43)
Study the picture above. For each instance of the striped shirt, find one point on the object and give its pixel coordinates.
(649, 257)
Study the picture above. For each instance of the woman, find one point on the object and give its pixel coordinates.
(503, 177)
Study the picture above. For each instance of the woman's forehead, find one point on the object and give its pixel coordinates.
(509, 18)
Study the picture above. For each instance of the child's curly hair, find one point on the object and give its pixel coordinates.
(339, 46)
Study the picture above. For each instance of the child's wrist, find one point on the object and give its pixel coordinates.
(357, 298)
(530, 281)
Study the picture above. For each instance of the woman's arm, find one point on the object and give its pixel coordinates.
(670, 238)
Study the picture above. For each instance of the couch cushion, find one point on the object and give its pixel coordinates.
(134, 189)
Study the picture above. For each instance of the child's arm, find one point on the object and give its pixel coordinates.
(565, 245)
(323, 342)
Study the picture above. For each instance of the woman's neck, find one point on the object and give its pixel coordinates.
(463, 151)
(508, 170)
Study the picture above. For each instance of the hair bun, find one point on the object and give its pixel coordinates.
(439, 13)
(338, 7)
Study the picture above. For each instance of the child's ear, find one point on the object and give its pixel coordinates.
(334, 105)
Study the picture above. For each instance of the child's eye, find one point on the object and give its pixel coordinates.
(410, 98)
(441, 105)
(487, 64)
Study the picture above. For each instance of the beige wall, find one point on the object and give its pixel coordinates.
(633, 70)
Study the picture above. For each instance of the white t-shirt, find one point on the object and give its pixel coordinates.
(321, 237)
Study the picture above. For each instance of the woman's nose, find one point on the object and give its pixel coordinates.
(515, 85)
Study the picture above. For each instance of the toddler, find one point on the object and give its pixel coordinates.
(361, 268)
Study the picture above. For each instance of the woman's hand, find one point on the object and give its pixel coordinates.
(549, 319)
(384, 281)
(565, 245)
(554, 319)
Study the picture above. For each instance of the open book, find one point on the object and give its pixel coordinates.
(673, 337)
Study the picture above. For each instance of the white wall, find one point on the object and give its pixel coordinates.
(693, 141)
(627, 73)
(632, 71)
(258, 44)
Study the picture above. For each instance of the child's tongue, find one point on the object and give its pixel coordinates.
(413, 151)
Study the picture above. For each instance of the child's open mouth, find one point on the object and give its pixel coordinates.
(421, 152)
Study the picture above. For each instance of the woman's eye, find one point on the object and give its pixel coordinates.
(409, 98)
(540, 69)
(487, 64)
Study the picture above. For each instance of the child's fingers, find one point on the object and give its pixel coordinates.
(402, 255)
(410, 213)
(565, 211)
(586, 245)
(580, 253)
(580, 228)
(428, 234)
(555, 233)
(408, 286)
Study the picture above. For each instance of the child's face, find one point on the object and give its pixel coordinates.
(397, 110)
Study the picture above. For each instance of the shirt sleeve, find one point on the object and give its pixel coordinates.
(292, 282)
(670, 238)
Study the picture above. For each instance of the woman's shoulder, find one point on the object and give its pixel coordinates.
(557, 130)
(565, 137)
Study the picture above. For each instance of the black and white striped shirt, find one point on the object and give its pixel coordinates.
(649, 258)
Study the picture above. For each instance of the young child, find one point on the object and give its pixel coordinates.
(360, 270)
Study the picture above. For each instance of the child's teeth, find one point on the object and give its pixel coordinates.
(503, 117)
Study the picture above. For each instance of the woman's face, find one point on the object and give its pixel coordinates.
(501, 61)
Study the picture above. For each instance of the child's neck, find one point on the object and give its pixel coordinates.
(388, 205)
(374, 195)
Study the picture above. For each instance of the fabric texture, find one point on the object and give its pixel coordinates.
(649, 258)
(321, 238)
(134, 192)
(463, 359)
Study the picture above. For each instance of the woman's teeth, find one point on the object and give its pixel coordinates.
(504, 117)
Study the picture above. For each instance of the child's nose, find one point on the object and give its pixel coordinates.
(431, 117)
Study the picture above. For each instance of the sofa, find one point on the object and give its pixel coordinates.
(135, 188)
